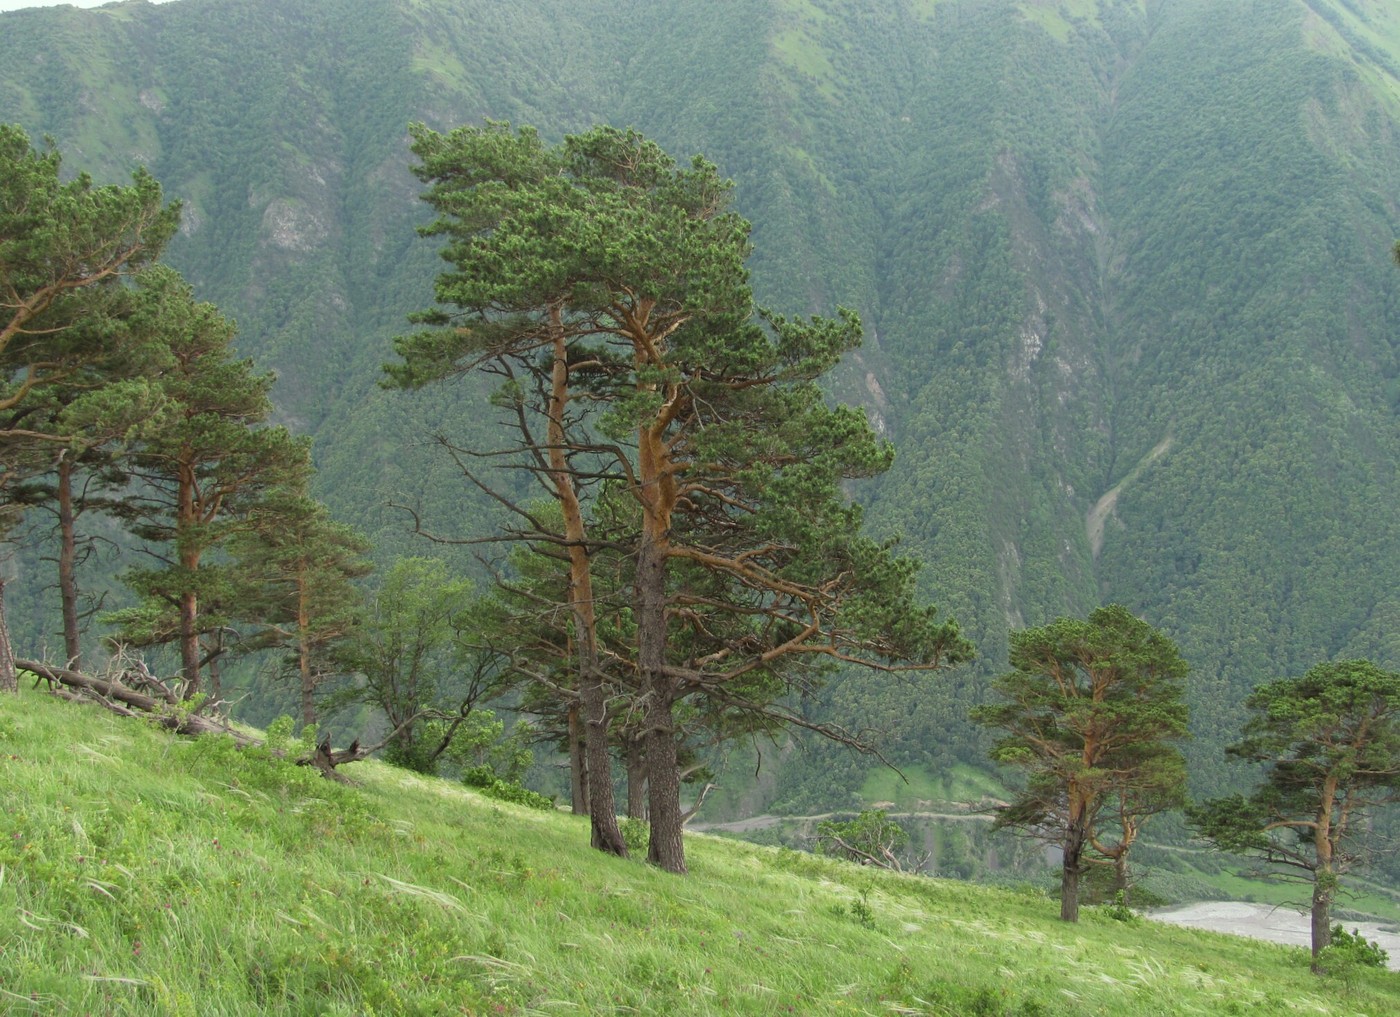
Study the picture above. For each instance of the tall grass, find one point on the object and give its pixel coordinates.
(145, 874)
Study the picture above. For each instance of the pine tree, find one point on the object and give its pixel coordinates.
(1330, 745)
(1091, 712)
(64, 249)
(199, 473)
(294, 571)
(626, 274)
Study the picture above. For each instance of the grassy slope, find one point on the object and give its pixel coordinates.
(144, 874)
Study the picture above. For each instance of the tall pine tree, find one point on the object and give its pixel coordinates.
(625, 272)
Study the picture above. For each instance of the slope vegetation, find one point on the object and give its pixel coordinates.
(145, 874)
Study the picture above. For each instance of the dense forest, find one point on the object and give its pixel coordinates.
(1131, 322)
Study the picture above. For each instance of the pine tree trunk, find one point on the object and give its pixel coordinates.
(1324, 877)
(578, 767)
(187, 518)
(67, 562)
(1324, 889)
(305, 670)
(635, 748)
(189, 643)
(1072, 869)
(9, 680)
(666, 848)
(602, 810)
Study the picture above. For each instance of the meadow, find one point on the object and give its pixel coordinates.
(144, 873)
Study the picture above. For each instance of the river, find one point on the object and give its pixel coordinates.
(1275, 924)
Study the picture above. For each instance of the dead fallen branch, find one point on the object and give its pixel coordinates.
(164, 709)
(160, 710)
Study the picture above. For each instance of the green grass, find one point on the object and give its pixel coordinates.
(1054, 18)
(145, 874)
(921, 790)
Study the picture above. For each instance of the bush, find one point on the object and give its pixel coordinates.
(1118, 909)
(484, 779)
(635, 833)
(1350, 950)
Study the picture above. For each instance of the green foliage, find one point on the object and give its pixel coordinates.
(862, 912)
(403, 655)
(281, 739)
(1349, 950)
(196, 473)
(872, 838)
(1329, 742)
(72, 367)
(1331, 746)
(610, 284)
(1117, 910)
(484, 779)
(58, 240)
(1073, 238)
(1091, 714)
(481, 741)
(635, 833)
(858, 911)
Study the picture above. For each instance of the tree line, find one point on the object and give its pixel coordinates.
(690, 561)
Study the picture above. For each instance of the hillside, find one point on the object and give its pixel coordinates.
(145, 874)
(1123, 266)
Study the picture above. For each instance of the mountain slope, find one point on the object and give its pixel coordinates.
(1121, 248)
(146, 874)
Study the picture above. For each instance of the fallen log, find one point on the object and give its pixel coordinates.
(108, 692)
(163, 709)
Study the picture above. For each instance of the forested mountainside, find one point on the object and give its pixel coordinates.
(1124, 269)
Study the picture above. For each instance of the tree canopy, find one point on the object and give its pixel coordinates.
(1329, 742)
(620, 275)
(1092, 714)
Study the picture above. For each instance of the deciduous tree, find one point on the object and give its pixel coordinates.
(408, 654)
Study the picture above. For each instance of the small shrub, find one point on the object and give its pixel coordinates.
(1118, 909)
(635, 833)
(415, 756)
(484, 779)
(1349, 951)
(279, 734)
(862, 912)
